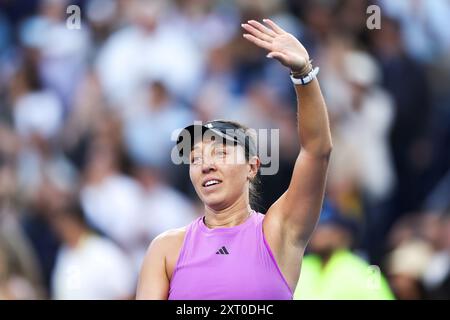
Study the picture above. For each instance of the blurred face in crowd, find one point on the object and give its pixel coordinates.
(67, 227)
(220, 173)
(431, 226)
(54, 9)
(158, 96)
(61, 225)
(405, 287)
(48, 198)
(102, 162)
(328, 238)
(145, 13)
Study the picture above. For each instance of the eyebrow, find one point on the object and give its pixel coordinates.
(223, 144)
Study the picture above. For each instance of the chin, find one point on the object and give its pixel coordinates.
(215, 201)
(215, 204)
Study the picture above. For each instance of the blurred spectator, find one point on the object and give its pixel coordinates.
(425, 25)
(405, 267)
(151, 127)
(197, 19)
(405, 79)
(112, 201)
(63, 52)
(37, 115)
(88, 116)
(149, 48)
(103, 17)
(88, 266)
(361, 127)
(362, 175)
(37, 110)
(19, 258)
(12, 285)
(436, 277)
(46, 198)
(332, 271)
(163, 207)
(20, 272)
(418, 264)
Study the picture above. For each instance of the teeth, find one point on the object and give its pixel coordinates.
(211, 182)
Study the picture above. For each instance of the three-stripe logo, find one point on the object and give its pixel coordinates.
(222, 250)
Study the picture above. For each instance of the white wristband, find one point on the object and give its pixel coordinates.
(306, 79)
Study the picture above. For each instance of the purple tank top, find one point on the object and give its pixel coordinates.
(233, 263)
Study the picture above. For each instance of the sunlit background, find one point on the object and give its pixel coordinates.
(86, 117)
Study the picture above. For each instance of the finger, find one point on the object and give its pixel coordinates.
(274, 26)
(260, 43)
(262, 28)
(257, 33)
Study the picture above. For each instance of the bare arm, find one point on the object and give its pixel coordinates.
(299, 207)
(153, 281)
(296, 212)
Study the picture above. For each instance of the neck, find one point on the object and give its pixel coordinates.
(229, 217)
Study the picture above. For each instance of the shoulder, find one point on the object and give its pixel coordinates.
(166, 248)
(164, 245)
(170, 238)
(168, 243)
(157, 269)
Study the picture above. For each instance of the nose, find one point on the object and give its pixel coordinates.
(208, 164)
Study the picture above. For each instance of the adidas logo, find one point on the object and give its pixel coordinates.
(222, 250)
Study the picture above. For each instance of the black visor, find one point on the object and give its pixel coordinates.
(217, 128)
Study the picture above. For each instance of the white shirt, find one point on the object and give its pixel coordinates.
(95, 269)
(131, 56)
(115, 207)
(361, 146)
(38, 112)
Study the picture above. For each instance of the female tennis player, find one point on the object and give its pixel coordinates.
(233, 252)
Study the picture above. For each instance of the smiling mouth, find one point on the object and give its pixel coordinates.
(212, 182)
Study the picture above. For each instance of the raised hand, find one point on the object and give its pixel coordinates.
(281, 45)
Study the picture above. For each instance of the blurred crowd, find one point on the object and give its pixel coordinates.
(87, 121)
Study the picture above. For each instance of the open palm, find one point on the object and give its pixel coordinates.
(281, 45)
